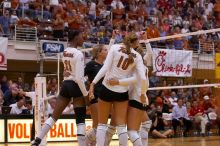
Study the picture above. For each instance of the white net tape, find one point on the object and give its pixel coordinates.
(172, 37)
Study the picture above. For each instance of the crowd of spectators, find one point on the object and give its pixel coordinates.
(98, 18)
(169, 110)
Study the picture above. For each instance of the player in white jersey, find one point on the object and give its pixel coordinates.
(122, 60)
(73, 87)
(92, 68)
(136, 109)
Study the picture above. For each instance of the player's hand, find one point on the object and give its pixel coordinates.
(114, 33)
(144, 35)
(91, 91)
(66, 74)
(144, 100)
(113, 82)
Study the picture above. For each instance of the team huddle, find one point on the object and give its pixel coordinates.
(118, 82)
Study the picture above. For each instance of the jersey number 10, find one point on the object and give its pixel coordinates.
(123, 63)
(67, 66)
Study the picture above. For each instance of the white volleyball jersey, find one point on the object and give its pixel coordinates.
(116, 66)
(73, 61)
(134, 86)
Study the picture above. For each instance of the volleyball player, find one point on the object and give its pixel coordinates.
(99, 53)
(73, 87)
(136, 109)
(122, 60)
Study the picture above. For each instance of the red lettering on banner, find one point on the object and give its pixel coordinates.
(72, 130)
(66, 130)
(31, 129)
(19, 131)
(60, 130)
(161, 66)
(11, 130)
(53, 131)
(25, 131)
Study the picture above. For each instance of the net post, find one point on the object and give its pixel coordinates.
(40, 106)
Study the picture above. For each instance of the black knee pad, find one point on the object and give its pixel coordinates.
(80, 113)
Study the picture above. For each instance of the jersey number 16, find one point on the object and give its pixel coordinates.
(123, 63)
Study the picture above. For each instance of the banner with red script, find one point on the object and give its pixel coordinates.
(3, 51)
(173, 63)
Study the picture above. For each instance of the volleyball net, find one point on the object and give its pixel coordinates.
(185, 65)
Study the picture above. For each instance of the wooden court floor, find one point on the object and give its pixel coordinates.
(190, 141)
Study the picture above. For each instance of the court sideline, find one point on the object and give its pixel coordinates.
(190, 141)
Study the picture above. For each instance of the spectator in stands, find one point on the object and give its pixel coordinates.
(217, 12)
(51, 105)
(180, 117)
(177, 42)
(158, 127)
(218, 116)
(167, 106)
(11, 95)
(4, 84)
(1, 101)
(153, 82)
(173, 98)
(26, 87)
(58, 27)
(207, 105)
(52, 85)
(152, 111)
(197, 114)
(28, 105)
(5, 23)
(14, 18)
(20, 83)
(92, 10)
(117, 4)
(18, 107)
(15, 4)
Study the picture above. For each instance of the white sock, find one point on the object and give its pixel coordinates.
(101, 134)
(81, 132)
(122, 135)
(135, 138)
(110, 132)
(145, 128)
(144, 137)
(146, 125)
(91, 137)
(46, 127)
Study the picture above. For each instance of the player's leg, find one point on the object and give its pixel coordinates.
(80, 112)
(120, 112)
(61, 104)
(104, 108)
(91, 135)
(111, 129)
(145, 128)
(135, 114)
